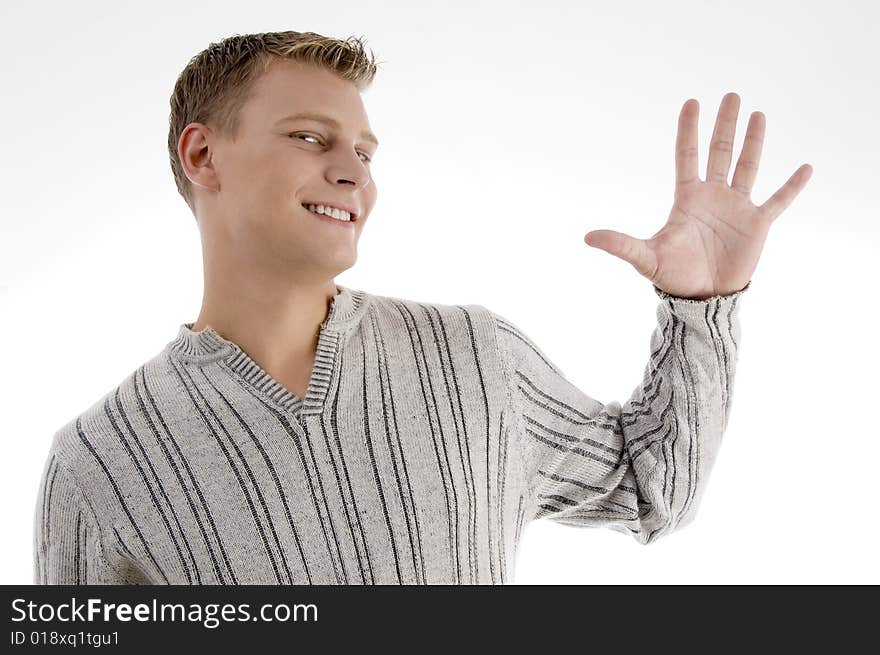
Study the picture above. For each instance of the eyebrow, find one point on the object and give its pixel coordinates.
(332, 122)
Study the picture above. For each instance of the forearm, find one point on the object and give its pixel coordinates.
(674, 423)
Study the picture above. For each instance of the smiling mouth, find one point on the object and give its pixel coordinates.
(352, 217)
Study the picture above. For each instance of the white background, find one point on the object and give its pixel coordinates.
(509, 130)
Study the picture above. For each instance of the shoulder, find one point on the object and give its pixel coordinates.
(449, 327)
(421, 314)
(106, 427)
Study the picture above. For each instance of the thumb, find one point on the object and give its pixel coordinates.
(629, 249)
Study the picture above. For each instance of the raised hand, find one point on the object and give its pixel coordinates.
(714, 235)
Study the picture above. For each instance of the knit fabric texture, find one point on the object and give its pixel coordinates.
(429, 437)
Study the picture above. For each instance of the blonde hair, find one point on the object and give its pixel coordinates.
(217, 82)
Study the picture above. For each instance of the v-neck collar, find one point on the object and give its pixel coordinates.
(346, 309)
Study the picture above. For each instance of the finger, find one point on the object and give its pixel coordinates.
(686, 152)
(747, 164)
(721, 145)
(777, 203)
(631, 250)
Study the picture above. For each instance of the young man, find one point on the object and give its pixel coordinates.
(300, 431)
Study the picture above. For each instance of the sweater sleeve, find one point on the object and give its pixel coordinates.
(67, 542)
(640, 469)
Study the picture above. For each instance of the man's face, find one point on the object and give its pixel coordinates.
(277, 164)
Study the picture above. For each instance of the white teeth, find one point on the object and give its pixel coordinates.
(339, 214)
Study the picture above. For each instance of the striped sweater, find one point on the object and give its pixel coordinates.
(429, 436)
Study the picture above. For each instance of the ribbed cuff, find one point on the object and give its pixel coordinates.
(668, 296)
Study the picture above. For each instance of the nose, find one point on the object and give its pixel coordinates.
(350, 171)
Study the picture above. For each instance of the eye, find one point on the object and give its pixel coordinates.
(367, 159)
(308, 135)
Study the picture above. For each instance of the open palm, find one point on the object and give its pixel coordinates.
(714, 235)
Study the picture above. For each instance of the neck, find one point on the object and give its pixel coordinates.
(276, 325)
